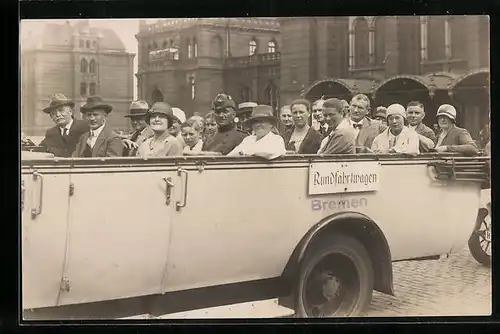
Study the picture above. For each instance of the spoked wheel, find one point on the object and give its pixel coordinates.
(335, 280)
(480, 240)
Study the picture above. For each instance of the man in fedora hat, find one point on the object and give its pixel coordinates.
(263, 143)
(142, 131)
(228, 136)
(242, 114)
(100, 141)
(61, 139)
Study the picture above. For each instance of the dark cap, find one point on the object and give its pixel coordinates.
(223, 101)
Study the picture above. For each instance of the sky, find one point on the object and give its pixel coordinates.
(125, 28)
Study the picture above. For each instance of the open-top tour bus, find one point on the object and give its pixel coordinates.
(326, 229)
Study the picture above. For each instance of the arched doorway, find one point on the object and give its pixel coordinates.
(157, 96)
(471, 96)
(329, 88)
(403, 90)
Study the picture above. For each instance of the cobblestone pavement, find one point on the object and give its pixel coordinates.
(457, 285)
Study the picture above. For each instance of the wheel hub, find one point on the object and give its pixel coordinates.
(331, 286)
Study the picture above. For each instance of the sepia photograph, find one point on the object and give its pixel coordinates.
(255, 167)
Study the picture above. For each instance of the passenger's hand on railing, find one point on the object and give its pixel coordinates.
(441, 149)
(129, 144)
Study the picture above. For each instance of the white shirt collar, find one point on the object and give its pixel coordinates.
(68, 126)
(97, 131)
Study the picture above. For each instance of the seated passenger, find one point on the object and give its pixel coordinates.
(160, 118)
(415, 114)
(397, 138)
(264, 143)
(342, 137)
(302, 138)
(451, 138)
(210, 127)
(61, 139)
(101, 140)
(191, 133)
(227, 136)
(141, 130)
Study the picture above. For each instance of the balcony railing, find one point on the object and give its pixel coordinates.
(254, 60)
(164, 54)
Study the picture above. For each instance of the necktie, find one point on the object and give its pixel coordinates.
(91, 137)
(357, 126)
(65, 132)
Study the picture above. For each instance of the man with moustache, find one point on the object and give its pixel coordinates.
(142, 131)
(61, 139)
(302, 138)
(100, 141)
(228, 136)
(320, 123)
(415, 114)
(286, 120)
(366, 129)
(341, 138)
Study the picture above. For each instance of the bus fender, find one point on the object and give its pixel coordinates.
(359, 226)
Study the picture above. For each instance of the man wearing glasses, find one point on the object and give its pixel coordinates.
(228, 136)
(61, 139)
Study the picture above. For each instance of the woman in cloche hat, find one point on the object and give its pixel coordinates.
(263, 143)
(451, 138)
(160, 118)
(397, 138)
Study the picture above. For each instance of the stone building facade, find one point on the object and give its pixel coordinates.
(77, 60)
(186, 62)
(434, 59)
(389, 58)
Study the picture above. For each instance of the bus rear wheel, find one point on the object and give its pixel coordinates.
(336, 279)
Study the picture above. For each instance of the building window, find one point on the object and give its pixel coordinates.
(83, 66)
(436, 46)
(192, 83)
(217, 48)
(195, 48)
(155, 46)
(81, 43)
(171, 42)
(361, 43)
(246, 94)
(87, 44)
(272, 95)
(190, 50)
(252, 47)
(92, 66)
(165, 45)
(83, 89)
(92, 88)
(458, 27)
(379, 40)
(271, 47)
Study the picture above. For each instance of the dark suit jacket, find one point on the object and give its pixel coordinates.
(310, 144)
(369, 130)
(425, 131)
(107, 144)
(459, 140)
(64, 147)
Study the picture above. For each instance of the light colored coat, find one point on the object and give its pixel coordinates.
(406, 142)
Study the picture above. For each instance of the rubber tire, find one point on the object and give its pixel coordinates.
(346, 245)
(475, 245)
